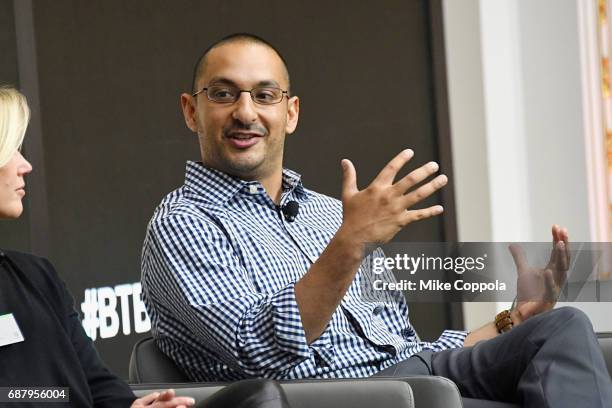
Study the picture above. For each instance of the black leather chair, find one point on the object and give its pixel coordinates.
(150, 369)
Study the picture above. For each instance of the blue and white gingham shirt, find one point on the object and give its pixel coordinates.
(218, 270)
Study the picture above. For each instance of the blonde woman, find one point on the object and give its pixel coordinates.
(42, 342)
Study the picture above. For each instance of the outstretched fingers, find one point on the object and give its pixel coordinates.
(421, 214)
(415, 177)
(388, 173)
(380, 210)
(424, 191)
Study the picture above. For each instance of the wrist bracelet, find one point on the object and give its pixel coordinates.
(503, 321)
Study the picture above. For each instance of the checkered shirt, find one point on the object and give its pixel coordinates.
(219, 265)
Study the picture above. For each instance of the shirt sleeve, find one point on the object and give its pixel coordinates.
(191, 269)
(449, 339)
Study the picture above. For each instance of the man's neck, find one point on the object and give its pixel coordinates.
(273, 185)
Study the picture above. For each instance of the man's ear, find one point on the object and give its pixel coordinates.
(188, 105)
(293, 113)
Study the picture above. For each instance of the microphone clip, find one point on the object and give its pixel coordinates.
(290, 211)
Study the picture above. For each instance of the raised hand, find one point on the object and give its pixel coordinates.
(560, 255)
(165, 399)
(372, 215)
(378, 212)
(539, 288)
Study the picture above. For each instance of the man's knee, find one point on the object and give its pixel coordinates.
(571, 315)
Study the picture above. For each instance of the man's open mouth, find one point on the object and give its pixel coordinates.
(243, 140)
(243, 136)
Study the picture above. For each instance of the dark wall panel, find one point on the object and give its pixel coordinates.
(8, 44)
(110, 75)
(13, 234)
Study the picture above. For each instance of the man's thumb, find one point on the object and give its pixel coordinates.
(349, 179)
(519, 257)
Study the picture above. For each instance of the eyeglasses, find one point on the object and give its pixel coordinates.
(263, 95)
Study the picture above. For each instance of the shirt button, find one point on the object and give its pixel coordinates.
(253, 189)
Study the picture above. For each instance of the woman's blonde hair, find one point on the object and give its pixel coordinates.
(14, 118)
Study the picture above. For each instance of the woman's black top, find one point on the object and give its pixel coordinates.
(55, 352)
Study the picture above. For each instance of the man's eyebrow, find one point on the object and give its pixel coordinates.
(268, 83)
(226, 81)
(221, 81)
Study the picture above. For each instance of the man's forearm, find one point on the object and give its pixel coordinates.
(488, 331)
(322, 288)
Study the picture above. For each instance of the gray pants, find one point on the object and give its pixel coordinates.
(550, 360)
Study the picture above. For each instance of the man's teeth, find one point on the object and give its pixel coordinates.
(242, 137)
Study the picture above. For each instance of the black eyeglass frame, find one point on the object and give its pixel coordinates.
(250, 91)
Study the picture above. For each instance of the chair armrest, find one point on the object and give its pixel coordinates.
(432, 391)
(149, 365)
(349, 394)
(359, 393)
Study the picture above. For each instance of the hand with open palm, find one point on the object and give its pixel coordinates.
(539, 288)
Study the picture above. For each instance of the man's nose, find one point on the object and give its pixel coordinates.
(244, 109)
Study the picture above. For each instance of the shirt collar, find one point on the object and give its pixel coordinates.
(216, 187)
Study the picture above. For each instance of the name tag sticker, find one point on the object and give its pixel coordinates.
(9, 330)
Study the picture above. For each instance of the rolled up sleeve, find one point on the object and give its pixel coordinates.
(449, 339)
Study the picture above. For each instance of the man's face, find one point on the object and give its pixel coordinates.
(244, 138)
